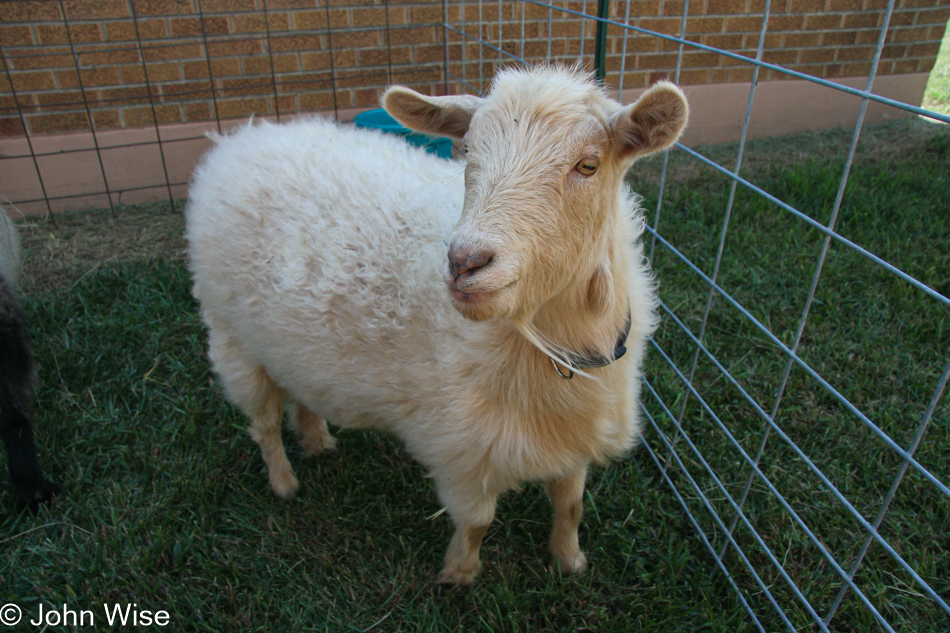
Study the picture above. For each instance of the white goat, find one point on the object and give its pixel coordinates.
(321, 255)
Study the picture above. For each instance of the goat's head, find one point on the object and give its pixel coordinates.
(546, 154)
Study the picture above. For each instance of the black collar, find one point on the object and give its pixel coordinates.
(590, 361)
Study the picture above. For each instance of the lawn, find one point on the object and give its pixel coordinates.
(165, 503)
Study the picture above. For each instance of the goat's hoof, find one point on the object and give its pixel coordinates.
(314, 446)
(460, 575)
(571, 564)
(35, 493)
(284, 486)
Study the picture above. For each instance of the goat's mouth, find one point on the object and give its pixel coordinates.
(479, 303)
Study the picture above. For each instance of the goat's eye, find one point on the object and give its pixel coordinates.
(587, 166)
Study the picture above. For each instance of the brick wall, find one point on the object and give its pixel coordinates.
(132, 63)
(825, 38)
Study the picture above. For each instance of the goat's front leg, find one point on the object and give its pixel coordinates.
(567, 497)
(472, 513)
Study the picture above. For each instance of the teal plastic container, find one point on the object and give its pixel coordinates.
(379, 119)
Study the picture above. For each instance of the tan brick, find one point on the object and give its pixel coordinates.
(245, 86)
(172, 51)
(740, 74)
(296, 43)
(128, 95)
(344, 58)
(725, 7)
(315, 61)
(704, 25)
(834, 39)
(827, 22)
(784, 23)
(911, 35)
(425, 15)
(209, 25)
(422, 54)
(61, 59)
(255, 23)
(816, 56)
(227, 6)
(363, 39)
(33, 80)
(694, 76)
(316, 101)
(808, 6)
(309, 20)
(59, 100)
(148, 29)
(91, 77)
(111, 54)
(163, 7)
(742, 24)
(142, 116)
(929, 49)
(29, 11)
(780, 57)
(284, 5)
(801, 40)
(700, 59)
(15, 36)
(186, 90)
(867, 37)
(107, 119)
(229, 47)
(96, 9)
(266, 64)
(728, 42)
(58, 123)
(197, 111)
(854, 53)
(862, 20)
(237, 108)
(848, 6)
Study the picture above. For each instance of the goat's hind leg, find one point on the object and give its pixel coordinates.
(567, 497)
(249, 387)
(311, 429)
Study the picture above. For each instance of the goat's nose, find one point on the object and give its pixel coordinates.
(465, 260)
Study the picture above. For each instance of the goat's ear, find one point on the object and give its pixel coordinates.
(439, 116)
(653, 123)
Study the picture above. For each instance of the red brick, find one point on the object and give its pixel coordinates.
(808, 6)
(862, 20)
(141, 116)
(186, 90)
(364, 39)
(262, 65)
(246, 86)
(834, 39)
(315, 61)
(91, 77)
(58, 123)
(10, 126)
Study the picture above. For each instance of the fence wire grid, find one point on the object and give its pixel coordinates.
(797, 481)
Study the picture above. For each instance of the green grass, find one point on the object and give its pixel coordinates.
(937, 93)
(165, 502)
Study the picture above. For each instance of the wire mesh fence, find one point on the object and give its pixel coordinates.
(798, 414)
(797, 478)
